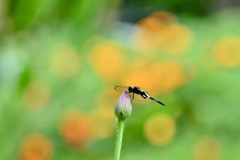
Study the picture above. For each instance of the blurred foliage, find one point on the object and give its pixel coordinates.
(60, 61)
(198, 7)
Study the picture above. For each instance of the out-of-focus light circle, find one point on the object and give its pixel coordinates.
(159, 129)
(175, 39)
(145, 33)
(75, 128)
(207, 148)
(36, 147)
(108, 61)
(227, 51)
(141, 73)
(164, 16)
(170, 75)
(160, 31)
(155, 77)
(65, 61)
(36, 95)
(102, 117)
(103, 123)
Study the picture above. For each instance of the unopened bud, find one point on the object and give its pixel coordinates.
(123, 106)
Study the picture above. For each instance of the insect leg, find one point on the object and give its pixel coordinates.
(131, 95)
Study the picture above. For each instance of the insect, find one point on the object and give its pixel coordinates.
(136, 90)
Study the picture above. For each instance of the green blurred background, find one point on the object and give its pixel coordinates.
(60, 61)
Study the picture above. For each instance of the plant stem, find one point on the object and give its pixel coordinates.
(119, 139)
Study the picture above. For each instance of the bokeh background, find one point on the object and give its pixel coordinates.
(60, 61)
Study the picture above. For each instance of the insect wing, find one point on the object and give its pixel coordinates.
(121, 88)
(135, 96)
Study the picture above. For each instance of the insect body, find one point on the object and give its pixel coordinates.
(139, 91)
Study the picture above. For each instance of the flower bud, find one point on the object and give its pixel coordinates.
(123, 106)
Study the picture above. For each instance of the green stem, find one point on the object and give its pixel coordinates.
(119, 139)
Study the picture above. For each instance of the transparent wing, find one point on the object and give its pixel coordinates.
(121, 88)
(132, 95)
(135, 96)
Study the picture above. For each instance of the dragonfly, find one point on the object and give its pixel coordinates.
(137, 90)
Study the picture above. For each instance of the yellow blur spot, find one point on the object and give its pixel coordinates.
(159, 129)
(164, 16)
(103, 122)
(227, 51)
(170, 74)
(175, 39)
(140, 75)
(64, 61)
(207, 148)
(108, 96)
(155, 77)
(160, 31)
(102, 117)
(75, 128)
(36, 95)
(108, 61)
(36, 147)
(145, 35)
